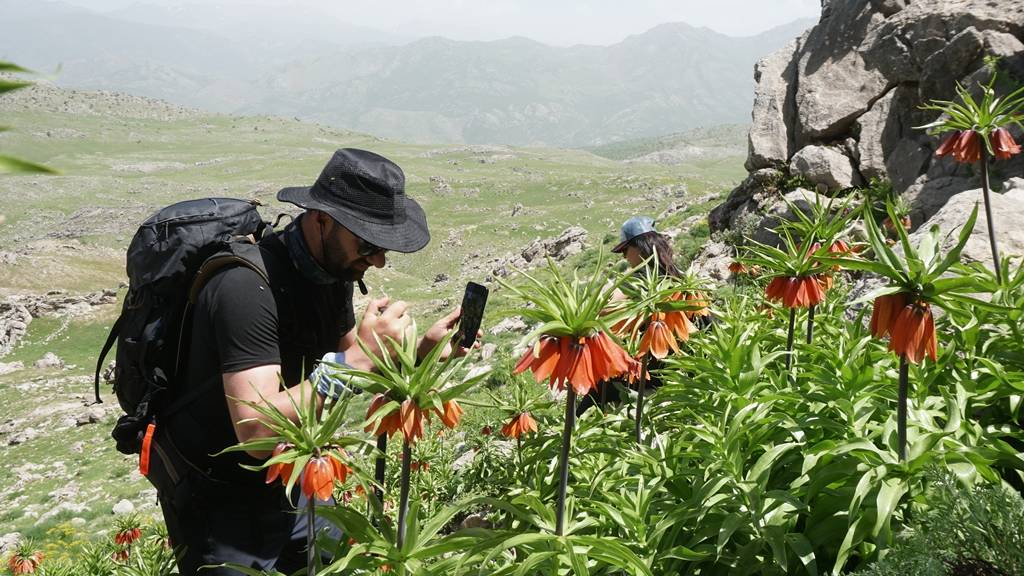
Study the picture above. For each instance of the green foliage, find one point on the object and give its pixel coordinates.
(981, 527)
(9, 164)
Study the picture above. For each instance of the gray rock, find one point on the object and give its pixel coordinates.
(712, 263)
(801, 199)
(7, 368)
(510, 324)
(49, 361)
(1007, 213)
(769, 141)
(25, 435)
(748, 197)
(14, 321)
(834, 86)
(958, 58)
(477, 520)
(825, 165)
(8, 542)
(124, 507)
(487, 351)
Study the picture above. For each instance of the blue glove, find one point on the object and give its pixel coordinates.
(328, 379)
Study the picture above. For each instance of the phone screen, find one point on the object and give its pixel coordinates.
(473, 303)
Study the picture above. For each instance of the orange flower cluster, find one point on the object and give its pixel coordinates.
(663, 332)
(738, 268)
(320, 473)
(581, 362)
(909, 325)
(964, 146)
(1003, 145)
(796, 292)
(127, 536)
(24, 563)
(409, 418)
(519, 425)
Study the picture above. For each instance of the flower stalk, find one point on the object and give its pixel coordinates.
(563, 461)
(901, 407)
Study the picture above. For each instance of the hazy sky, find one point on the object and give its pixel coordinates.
(557, 22)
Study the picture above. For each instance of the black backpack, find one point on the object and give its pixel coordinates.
(172, 255)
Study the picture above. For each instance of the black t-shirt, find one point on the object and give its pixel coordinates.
(239, 322)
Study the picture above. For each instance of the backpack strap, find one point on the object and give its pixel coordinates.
(111, 338)
(243, 253)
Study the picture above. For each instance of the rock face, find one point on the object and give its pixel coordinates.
(14, 321)
(570, 242)
(838, 106)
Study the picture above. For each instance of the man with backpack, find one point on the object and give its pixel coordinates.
(261, 317)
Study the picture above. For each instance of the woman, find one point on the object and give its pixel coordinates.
(638, 240)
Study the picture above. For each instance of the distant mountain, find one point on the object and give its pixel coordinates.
(514, 91)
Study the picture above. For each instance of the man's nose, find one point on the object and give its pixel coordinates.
(378, 259)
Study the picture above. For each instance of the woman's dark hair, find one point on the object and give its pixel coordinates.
(647, 243)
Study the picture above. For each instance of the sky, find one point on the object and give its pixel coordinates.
(554, 22)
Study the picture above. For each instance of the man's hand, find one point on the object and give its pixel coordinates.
(438, 332)
(386, 321)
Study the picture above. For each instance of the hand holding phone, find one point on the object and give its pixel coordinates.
(473, 303)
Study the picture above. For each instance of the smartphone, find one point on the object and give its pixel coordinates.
(473, 302)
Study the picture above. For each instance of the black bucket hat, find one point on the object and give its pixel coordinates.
(365, 192)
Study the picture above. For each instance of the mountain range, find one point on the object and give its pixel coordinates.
(517, 91)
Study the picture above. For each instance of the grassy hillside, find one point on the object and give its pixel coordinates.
(123, 157)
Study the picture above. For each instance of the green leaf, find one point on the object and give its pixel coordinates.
(802, 546)
(9, 165)
(889, 495)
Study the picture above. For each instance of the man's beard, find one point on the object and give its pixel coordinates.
(336, 261)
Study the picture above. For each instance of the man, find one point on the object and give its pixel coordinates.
(249, 336)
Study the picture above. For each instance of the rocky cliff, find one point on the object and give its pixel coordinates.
(836, 108)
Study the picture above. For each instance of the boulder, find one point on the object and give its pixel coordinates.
(782, 211)
(49, 361)
(833, 85)
(510, 324)
(747, 198)
(825, 166)
(770, 141)
(7, 368)
(14, 321)
(1007, 214)
(123, 507)
(712, 263)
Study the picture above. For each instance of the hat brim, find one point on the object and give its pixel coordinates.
(620, 247)
(406, 237)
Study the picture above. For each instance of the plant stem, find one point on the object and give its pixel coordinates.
(810, 323)
(988, 215)
(403, 503)
(378, 471)
(901, 408)
(519, 452)
(789, 339)
(563, 480)
(311, 567)
(640, 397)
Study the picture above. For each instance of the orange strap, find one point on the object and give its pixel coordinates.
(144, 454)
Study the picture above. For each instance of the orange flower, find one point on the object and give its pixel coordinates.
(411, 417)
(120, 555)
(520, 424)
(338, 468)
(967, 148)
(1003, 144)
(913, 333)
(825, 281)
(581, 362)
(658, 338)
(680, 325)
(318, 478)
(737, 267)
(420, 465)
(839, 247)
(390, 423)
(486, 430)
(21, 563)
(451, 415)
(947, 145)
(280, 470)
(795, 292)
(695, 299)
(885, 311)
(127, 536)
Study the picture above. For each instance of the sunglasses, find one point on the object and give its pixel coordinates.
(365, 248)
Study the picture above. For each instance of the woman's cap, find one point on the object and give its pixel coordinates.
(635, 226)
